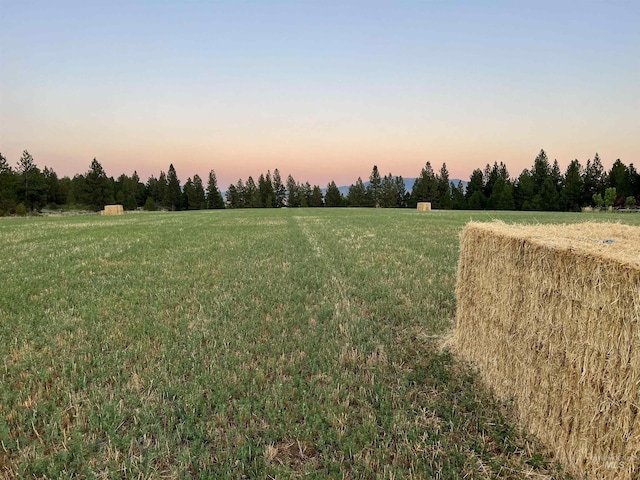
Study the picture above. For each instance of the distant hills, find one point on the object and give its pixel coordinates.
(408, 184)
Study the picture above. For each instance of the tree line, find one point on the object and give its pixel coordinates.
(26, 187)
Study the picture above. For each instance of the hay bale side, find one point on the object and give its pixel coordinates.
(551, 317)
(113, 210)
(424, 206)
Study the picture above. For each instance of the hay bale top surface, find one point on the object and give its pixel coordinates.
(617, 242)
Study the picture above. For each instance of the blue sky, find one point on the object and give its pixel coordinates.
(321, 90)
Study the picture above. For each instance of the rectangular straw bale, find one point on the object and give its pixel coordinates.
(113, 210)
(550, 315)
(424, 206)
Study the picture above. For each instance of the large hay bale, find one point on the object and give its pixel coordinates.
(113, 210)
(550, 315)
(424, 206)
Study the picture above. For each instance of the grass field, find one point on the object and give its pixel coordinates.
(246, 344)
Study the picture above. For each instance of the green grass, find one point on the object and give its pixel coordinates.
(245, 344)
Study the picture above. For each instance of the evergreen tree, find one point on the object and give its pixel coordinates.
(279, 190)
(474, 195)
(444, 188)
(152, 190)
(458, 201)
(53, 194)
(241, 190)
(31, 186)
(388, 192)
(556, 176)
(188, 193)
(549, 196)
(267, 195)
(214, 197)
(293, 193)
(333, 197)
(233, 197)
(502, 194)
(79, 194)
(620, 179)
(524, 191)
(571, 196)
(593, 179)
(8, 180)
(402, 198)
(140, 190)
(540, 172)
(65, 190)
(127, 191)
(98, 187)
(4, 165)
(173, 198)
(489, 179)
(357, 196)
(425, 188)
(373, 189)
(634, 182)
(316, 199)
(305, 194)
(252, 194)
(194, 198)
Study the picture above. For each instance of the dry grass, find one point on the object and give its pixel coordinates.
(551, 316)
(113, 210)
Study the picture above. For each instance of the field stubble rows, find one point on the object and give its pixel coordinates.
(256, 344)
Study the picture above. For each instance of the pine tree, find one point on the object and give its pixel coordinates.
(619, 179)
(293, 193)
(388, 192)
(53, 194)
(444, 188)
(571, 193)
(593, 179)
(357, 196)
(267, 195)
(214, 197)
(233, 198)
(373, 189)
(31, 186)
(540, 171)
(199, 201)
(458, 202)
(8, 180)
(252, 194)
(305, 194)
(474, 195)
(173, 199)
(425, 188)
(524, 191)
(99, 191)
(316, 200)
(333, 197)
(279, 190)
(402, 194)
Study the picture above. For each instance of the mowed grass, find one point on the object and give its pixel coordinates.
(246, 344)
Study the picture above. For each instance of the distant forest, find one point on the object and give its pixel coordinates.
(27, 188)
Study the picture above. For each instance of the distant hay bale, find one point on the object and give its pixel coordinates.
(113, 210)
(424, 206)
(550, 314)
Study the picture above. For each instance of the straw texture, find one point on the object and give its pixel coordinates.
(424, 206)
(113, 210)
(550, 315)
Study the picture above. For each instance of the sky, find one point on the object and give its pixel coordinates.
(321, 90)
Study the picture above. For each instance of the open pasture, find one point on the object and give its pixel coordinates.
(246, 344)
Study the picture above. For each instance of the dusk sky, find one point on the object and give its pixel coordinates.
(320, 90)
